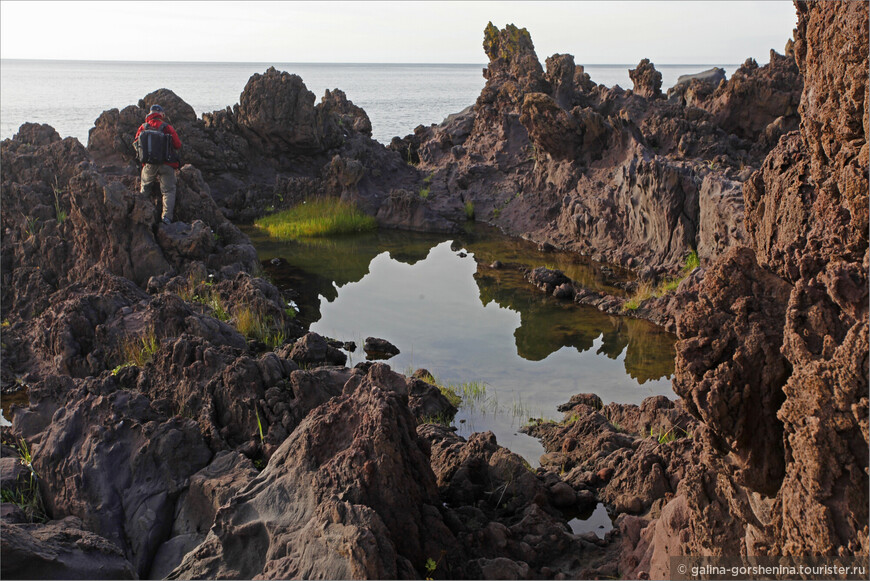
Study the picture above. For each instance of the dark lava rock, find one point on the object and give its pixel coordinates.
(338, 476)
(312, 349)
(61, 549)
(379, 348)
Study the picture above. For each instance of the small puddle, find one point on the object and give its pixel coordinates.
(598, 522)
(19, 397)
(513, 352)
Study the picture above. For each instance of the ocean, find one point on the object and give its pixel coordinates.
(70, 95)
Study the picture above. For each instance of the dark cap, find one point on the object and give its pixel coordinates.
(157, 109)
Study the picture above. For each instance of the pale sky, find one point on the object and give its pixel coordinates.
(688, 32)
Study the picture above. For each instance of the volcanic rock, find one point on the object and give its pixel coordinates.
(339, 515)
(379, 348)
(796, 299)
(313, 349)
(647, 80)
(61, 549)
(623, 177)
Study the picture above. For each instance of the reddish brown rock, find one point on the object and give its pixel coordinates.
(621, 176)
(754, 98)
(731, 370)
(798, 303)
(647, 80)
(632, 457)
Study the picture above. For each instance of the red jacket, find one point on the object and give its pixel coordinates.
(155, 120)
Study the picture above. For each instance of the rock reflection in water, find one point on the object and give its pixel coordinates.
(547, 325)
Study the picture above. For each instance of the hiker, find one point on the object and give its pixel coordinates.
(157, 144)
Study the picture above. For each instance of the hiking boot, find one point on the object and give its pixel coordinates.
(167, 221)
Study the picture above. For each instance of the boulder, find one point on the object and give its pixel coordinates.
(61, 549)
(312, 349)
(210, 488)
(115, 462)
(376, 348)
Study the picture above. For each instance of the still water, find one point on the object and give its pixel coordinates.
(438, 300)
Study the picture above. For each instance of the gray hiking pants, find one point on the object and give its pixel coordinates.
(165, 174)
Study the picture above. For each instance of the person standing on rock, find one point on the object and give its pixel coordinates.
(157, 144)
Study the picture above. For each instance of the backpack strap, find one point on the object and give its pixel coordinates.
(162, 127)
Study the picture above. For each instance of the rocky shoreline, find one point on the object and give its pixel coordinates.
(166, 436)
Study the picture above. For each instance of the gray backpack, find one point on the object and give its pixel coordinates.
(154, 146)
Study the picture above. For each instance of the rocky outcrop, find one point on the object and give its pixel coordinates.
(338, 515)
(276, 113)
(60, 550)
(631, 457)
(376, 348)
(647, 80)
(773, 356)
(272, 150)
(114, 451)
(214, 455)
(626, 177)
(733, 337)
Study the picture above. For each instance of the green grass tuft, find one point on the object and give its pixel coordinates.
(469, 210)
(139, 351)
(255, 325)
(318, 217)
(692, 262)
(441, 419)
(451, 394)
(646, 291)
(667, 436)
(26, 494)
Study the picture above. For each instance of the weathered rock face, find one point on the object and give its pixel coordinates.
(781, 383)
(753, 105)
(97, 329)
(631, 457)
(65, 216)
(326, 505)
(825, 338)
(349, 115)
(626, 177)
(277, 113)
(734, 372)
(128, 459)
(60, 550)
(647, 80)
(512, 55)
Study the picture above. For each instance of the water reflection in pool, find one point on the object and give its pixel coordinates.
(439, 301)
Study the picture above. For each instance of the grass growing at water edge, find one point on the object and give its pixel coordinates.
(460, 394)
(317, 217)
(645, 290)
(26, 494)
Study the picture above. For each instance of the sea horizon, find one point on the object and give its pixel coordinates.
(348, 63)
(71, 94)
